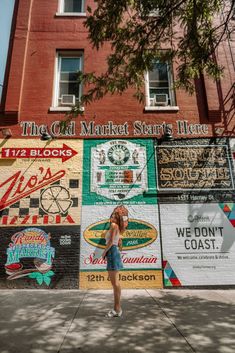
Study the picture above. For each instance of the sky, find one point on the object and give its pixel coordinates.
(6, 10)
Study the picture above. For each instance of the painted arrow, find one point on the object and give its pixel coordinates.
(64, 153)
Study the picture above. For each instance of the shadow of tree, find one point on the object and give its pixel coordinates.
(205, 318)
(171, 321)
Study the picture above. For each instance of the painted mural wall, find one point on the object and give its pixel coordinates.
(40, 207)
(196, 185)
(118, 173)
(176, 197)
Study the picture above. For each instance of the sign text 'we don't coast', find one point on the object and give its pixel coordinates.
(137, 128)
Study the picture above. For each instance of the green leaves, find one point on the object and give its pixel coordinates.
(42, 277)
(187, 32)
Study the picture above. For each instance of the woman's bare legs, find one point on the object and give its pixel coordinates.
(113, 275)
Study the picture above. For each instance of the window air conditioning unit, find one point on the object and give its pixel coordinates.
(161, 99)
(68, 99)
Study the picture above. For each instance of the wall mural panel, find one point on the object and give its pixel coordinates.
(40, 185)
(40, 188)
(117, 174)
(39, 257)
(196, 170)
(117, 171)
(194, 167)
(141, 251)
(198, 244)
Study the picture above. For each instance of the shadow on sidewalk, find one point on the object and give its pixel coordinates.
(74, 321)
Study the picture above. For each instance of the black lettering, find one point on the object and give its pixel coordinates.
(207, 243)
(186, 244)
(181, 232)
(87, 129)
(200, 244)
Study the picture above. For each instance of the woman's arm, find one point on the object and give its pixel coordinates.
(113, 230)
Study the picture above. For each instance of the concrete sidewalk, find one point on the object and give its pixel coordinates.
(163, 321)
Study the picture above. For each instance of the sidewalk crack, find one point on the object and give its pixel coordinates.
(75, 314)
(172, 323)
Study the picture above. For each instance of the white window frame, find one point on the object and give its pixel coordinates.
(173, 106)
(63, 54)
(61, 11)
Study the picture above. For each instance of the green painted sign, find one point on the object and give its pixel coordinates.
(118, 171)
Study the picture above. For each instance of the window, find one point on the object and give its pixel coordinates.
(67, 90)
(159, 87)
(71, 7)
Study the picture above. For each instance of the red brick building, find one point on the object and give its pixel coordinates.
(45, 32)
(48, 46)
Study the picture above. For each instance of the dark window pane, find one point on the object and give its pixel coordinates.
(68, 76)
(162, 69)
(154, 75)
(72, 5)
(74, 89)
(163, 84)
(156, 84)
(159, 72)
(69, 88)
(70, 64)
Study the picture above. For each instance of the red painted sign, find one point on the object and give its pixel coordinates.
(18, 186)
(64, 153)
(36, 220)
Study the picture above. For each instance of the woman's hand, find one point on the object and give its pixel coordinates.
(120, 244)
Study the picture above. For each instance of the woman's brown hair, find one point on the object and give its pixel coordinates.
(120, 221)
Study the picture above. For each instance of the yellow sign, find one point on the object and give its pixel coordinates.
(128, 279)
(48, 188)
(138, 234)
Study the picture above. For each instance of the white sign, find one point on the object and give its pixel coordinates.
(118, 169)
(141, 240)
(199, 243)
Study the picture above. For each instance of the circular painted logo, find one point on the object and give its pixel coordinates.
(138, 234)
(55, 199)
(118, 154)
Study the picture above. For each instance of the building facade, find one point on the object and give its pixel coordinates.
(167, 164)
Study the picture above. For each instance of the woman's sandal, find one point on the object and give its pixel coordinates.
(113, 313)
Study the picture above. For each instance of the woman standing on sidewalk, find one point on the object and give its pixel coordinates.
(114, 261)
